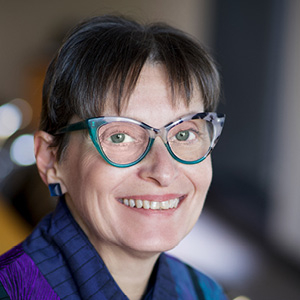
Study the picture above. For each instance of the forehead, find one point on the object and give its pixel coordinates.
(153, 102)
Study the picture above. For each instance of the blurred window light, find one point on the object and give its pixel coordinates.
(21, 151)
(225, 253)
(10, 119)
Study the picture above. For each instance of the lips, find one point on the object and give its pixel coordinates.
(152, 204)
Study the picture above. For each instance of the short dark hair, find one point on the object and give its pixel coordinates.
(103, 56)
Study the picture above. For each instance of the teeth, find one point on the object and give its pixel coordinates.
(146, 204)
(172, 203)
(165, 205)
(176, 203)
(154, 205)
(139, 203)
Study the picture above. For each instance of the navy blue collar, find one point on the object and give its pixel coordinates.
(73, 267)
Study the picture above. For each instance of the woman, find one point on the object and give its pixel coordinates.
(125, 136)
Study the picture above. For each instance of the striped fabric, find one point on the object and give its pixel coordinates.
(61, 252)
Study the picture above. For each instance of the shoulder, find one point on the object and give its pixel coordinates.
(11, 264)
(20, 278)
(188, 278)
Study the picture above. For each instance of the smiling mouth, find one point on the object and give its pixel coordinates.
(154, 205)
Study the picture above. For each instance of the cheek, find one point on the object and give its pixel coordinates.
(78, 173)
(201, 176)
(88, 189)
(89, 179)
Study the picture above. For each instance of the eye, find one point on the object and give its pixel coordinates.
(185, 135)
(119, 138)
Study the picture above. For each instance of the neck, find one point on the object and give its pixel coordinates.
(131, 272)
(130, 269)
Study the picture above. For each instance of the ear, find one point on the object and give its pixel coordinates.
(46, 160)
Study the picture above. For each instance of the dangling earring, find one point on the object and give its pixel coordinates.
(55, 190)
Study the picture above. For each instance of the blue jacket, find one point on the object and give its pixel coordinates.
(57, 261)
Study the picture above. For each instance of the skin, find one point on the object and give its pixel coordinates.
(130, 240)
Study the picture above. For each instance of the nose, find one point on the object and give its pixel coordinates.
(158, 166)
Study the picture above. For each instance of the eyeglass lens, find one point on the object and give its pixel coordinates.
(124, 142)
(190, 140)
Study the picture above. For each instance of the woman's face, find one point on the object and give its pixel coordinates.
(94, 188)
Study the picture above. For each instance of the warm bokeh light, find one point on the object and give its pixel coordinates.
(25, 109)
(241, 298)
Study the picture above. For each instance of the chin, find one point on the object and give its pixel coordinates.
(156, 244)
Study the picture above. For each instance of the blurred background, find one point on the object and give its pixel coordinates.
(248, 235)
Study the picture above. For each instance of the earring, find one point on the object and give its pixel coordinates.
(55, 189)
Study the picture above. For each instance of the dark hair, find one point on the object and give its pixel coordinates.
(101, 60)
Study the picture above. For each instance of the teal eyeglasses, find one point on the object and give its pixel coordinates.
(124, 142)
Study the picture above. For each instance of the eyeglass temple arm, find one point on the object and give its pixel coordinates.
(72, 127)
(220, 120)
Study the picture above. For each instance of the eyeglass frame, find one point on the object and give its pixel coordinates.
(92, 125)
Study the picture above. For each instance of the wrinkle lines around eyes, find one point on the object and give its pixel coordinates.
(89, 155)
(80, 150)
